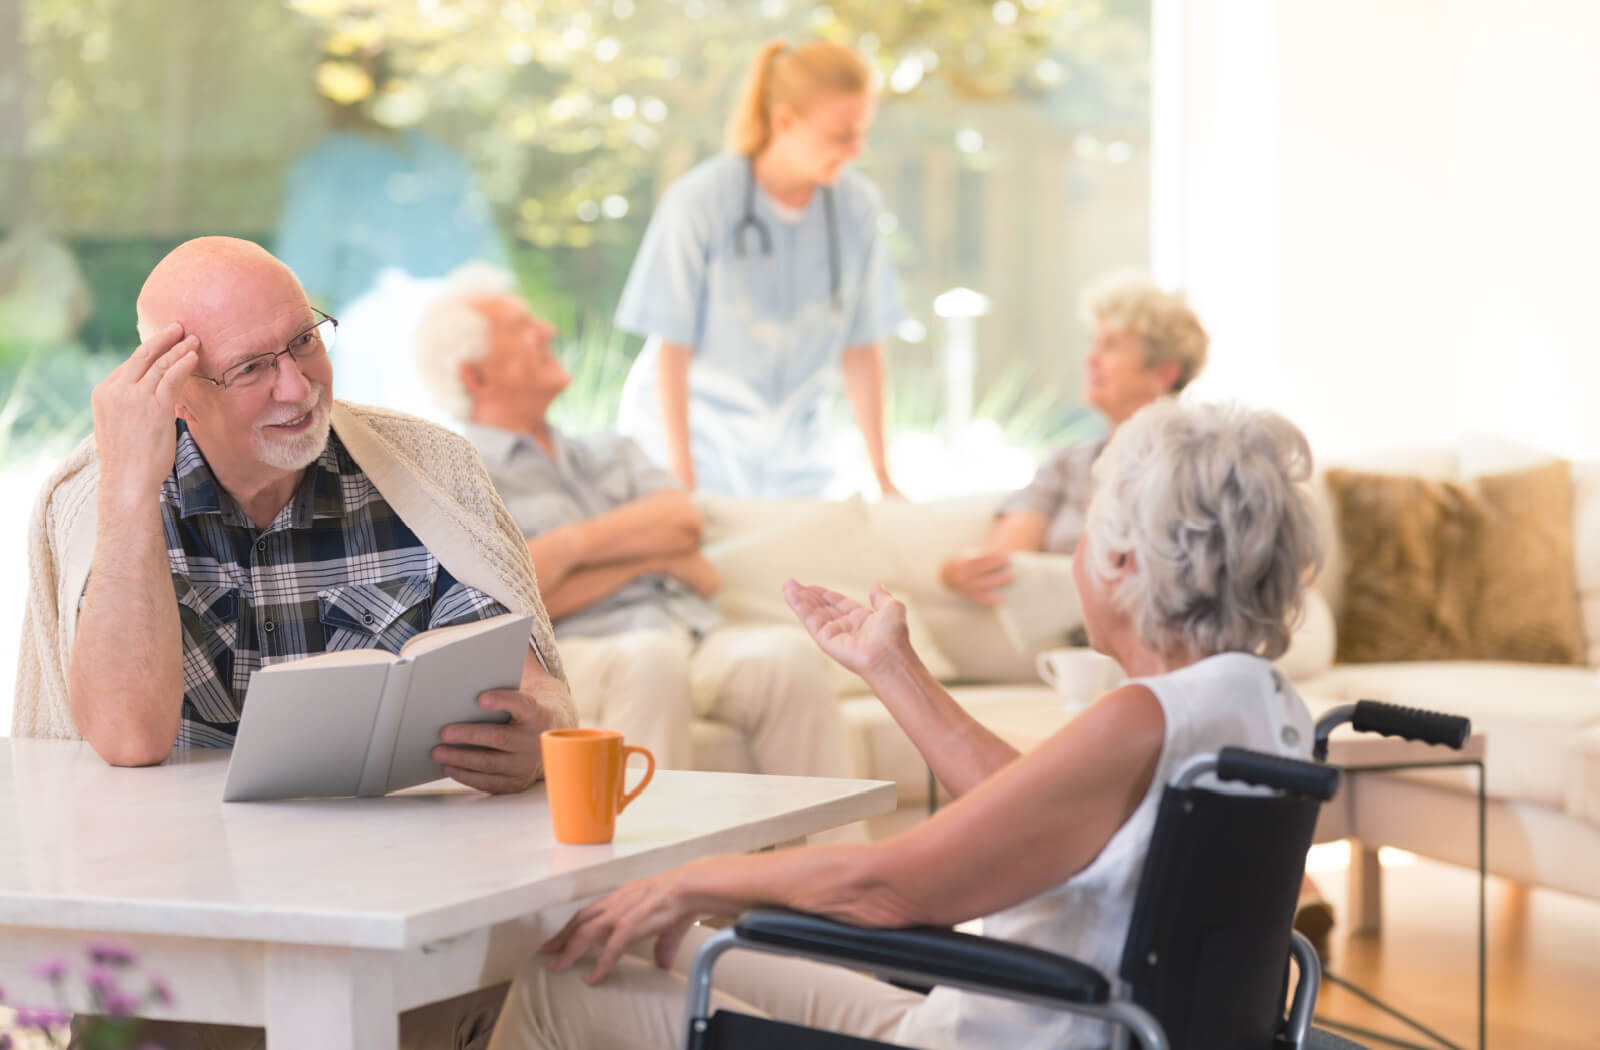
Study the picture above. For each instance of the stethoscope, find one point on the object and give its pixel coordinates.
(751, 220)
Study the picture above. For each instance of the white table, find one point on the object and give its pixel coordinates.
(322, 920)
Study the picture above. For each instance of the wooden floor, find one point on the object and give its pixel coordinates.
(1544, 961)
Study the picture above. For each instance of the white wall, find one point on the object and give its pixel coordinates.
(1393, 215)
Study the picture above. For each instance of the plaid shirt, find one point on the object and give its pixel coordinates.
(336, 569)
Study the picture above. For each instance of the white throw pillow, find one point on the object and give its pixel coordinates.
(1312, 645)
(920, 536)
(756, 545)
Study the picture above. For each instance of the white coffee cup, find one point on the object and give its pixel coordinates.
(1078, 675)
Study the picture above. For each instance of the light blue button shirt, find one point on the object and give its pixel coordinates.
(589, 475)
(766, 333)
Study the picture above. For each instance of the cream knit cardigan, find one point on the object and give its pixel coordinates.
(432, 478)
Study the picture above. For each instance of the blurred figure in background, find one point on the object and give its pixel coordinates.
(1148, 344)
(375, 215)
(764, 277)
(616, 543)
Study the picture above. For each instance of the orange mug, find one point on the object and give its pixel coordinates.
(584, 773)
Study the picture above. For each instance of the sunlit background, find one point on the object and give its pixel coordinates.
(1385, 213)
(377, 145)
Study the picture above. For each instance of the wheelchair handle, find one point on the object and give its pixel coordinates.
(1412, 723)
(1254, 767)
(1408, 723)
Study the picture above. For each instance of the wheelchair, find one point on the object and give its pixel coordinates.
(1206, 962)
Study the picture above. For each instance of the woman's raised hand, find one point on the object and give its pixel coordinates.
(862, 639)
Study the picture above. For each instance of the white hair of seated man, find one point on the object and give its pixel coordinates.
(453, 332)
(1209, 499)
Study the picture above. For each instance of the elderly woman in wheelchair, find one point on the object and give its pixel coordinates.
(1199, 544)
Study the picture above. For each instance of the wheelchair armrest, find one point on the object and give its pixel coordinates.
(930, 952)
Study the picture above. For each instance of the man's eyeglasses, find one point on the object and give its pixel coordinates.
(307, 346)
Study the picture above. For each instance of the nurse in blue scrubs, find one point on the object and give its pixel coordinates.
(763, 285)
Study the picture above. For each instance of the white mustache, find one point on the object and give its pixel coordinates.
(311, 406)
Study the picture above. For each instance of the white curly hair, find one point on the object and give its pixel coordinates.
(1163, 321)
(1210, 501)
(453, 332)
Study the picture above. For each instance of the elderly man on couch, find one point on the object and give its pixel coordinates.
(228, 514)
(615, 540)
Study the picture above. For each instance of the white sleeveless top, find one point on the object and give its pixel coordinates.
(1232, 699)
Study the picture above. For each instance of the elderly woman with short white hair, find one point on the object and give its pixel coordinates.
(1148, 344)
(1192, 572)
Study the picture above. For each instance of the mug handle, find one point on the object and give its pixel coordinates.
(1047, 669)
(649, 771)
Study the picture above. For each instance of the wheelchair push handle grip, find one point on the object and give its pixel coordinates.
(1286, 774)
(1411, 723)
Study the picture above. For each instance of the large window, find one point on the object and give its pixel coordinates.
(1011, 147)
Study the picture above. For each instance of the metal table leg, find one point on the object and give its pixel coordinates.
(1483, 923)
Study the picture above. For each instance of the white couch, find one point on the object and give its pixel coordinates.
(1542, 723)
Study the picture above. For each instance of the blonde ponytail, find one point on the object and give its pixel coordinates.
(780, 75)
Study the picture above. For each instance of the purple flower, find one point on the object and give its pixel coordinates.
(42, 1019)
(160, 992)
(101, 981)
(120, 1004)
(5, 1041)
(110, 953)
(51, 970)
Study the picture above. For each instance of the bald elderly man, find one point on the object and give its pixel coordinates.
(228, 514)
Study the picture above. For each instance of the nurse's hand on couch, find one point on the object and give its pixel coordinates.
(869, 641)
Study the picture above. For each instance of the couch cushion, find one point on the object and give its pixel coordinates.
(719, 746)
(1586, 551)
(1312, 644)
(1529, 714)
(1436, 462)
(1442, 570)
(758, 544)
(920, 536)
(1583, 790)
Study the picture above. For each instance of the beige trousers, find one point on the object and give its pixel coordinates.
(462, 1023)
(769, 681)
(640, 1007)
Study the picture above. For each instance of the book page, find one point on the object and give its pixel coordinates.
(343, 658)
(445, 682)
(428, 641)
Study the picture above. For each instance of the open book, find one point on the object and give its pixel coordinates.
(1040, 605)
(364, 721)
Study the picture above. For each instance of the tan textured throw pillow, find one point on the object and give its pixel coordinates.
(1442, 570)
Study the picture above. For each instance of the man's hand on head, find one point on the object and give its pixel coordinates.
(134, 412)
(503, 757)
